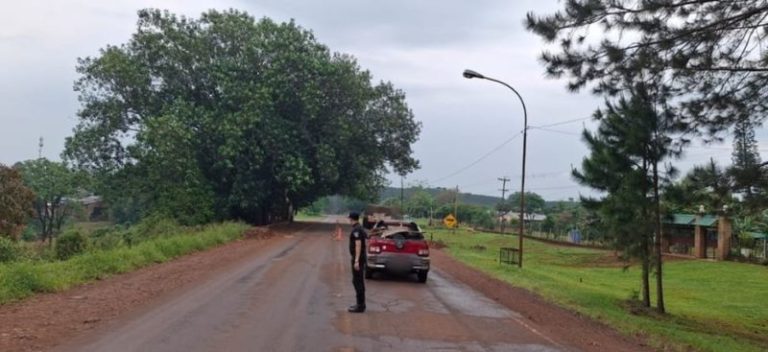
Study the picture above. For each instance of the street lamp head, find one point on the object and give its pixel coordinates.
(472, 74)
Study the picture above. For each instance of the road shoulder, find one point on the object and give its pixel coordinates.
(45, 321)
(569, 328)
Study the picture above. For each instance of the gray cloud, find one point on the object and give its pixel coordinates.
(421, 46)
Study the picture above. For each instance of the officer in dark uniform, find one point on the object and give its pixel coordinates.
(357, 239)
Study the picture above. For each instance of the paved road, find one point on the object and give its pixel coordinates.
(293, 295)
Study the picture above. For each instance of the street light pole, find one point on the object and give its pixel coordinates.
(469, 74)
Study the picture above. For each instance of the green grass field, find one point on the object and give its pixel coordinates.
(301, 216)
(712, 306)
(24, 278)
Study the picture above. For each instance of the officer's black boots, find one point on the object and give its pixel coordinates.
(356, 309)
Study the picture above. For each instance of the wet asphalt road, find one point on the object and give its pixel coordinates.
(292, 296)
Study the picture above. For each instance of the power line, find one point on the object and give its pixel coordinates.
(486, 155)
(481, 183)
(560, 123)
(555, 131)
(555, 187)
(465, 168)
(543, 175)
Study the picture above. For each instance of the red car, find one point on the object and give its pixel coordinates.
(398, 249)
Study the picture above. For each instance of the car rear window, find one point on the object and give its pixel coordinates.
(407, 235)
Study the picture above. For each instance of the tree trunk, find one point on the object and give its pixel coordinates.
(41, 218)
(646, 243)
(646, 264)
(50, 217)
(659, 233)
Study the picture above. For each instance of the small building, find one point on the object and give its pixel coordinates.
(94, 209)
(533, 217)
(698, 235)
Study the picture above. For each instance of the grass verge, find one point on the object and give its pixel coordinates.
(302, 216)
(713, 306)
(25, 278)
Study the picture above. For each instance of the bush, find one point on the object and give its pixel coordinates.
(9, 250)
(746, 241)
(70, 244)
(154, 226)
(108, 237)
(29, 234)
(24, 278)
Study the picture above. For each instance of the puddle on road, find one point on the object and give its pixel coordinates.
(467, 301)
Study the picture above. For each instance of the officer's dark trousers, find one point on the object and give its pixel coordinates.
(358, 281)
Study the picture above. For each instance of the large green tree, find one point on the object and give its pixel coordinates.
(224, 116)
(708, 54)
(419, 204)
(534, 203)
(625, 153)
(16, 201)
(55, 187)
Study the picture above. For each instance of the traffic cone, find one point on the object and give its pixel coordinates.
(334, 233)
(338, 233)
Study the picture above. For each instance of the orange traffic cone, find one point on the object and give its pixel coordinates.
(333, 234)
(338, 233)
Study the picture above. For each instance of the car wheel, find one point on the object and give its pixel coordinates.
(422, 276)
(369, 274)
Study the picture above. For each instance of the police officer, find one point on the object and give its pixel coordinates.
(357, 249)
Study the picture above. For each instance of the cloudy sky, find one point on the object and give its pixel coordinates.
(471, 128)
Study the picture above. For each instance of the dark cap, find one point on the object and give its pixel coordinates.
(354, 215)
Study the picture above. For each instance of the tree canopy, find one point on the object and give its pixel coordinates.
(224, 116)
(747, 172)
(707, 54)
(625, 151)
(54, 185)
(15, 202)
(706, 185)
(534, 203)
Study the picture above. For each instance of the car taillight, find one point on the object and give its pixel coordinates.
(374, 249)
(424, 252)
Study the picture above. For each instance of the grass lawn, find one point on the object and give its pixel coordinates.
(21, 279)
(89, 227)
(301, 216)
(712, 306)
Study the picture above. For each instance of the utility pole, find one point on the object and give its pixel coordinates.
(503, 190)
(40, 149)
(402, 197)
(456, 208)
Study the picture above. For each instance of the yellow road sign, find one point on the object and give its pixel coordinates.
(449, 221)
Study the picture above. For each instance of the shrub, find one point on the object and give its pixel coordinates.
(746, 241)
(154, 226)
(108, 237)
(69, 244)
(9, 250)
(24, 278)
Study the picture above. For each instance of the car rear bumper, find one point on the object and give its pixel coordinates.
(398, 262)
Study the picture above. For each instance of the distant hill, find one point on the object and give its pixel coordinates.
(465, 198)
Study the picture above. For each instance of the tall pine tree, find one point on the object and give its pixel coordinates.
(746, 172)
(626, 150)
(709, 55)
